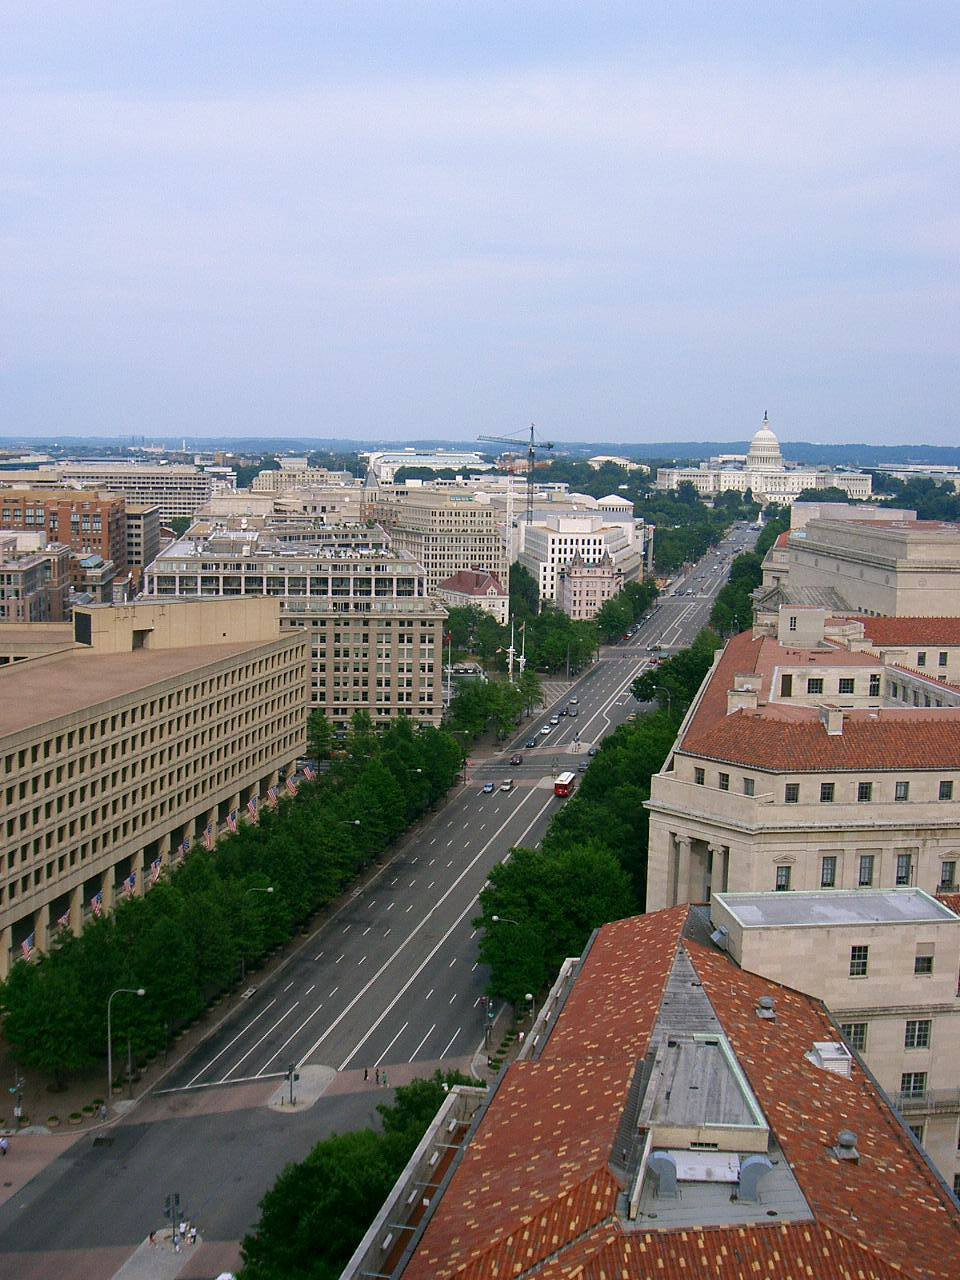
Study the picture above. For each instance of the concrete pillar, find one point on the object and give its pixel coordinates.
(725, 867)
(683, 869)
(76, 910)
(139, 867)
(106, 888)
(41, 927)
(6, 942)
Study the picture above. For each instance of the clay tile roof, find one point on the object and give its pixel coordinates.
(473, 582)
(782, 539)
(911, 631)
(951, 901)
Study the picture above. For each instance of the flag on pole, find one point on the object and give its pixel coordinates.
(272, 797)
(309, 774)
(130, 884)
(209, 837)
(63, 922)
(292, 786)
(96, 903)
(26, 946)
(253, 808)
(156, 866)
(232, 821)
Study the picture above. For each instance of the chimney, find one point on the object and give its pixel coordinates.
(766, 1009)
(832, 720)
(741, 700)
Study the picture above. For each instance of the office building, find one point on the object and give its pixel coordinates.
(34, 578)
(177, 489)
(584, 588)
(803, 765)
(143, 536)
(763, 471)
(383, 464)
(159, 719)
(90, 524)
(444, 532)
(885, 963)
(375, 634)
(658, 1123)
(549, 546)
(478, 589)
(293, 473)
(895, 567)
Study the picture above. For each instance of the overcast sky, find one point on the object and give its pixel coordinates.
(624, 221)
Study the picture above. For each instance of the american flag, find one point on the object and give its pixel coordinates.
(253, 808)
(26, 946)
(156, 866)
(209, 837)
(292, 786)
(63, 922)
(272, 797)
(96, 903)
(130, 884)
(184, 847)
(232, 821)
(309, 774)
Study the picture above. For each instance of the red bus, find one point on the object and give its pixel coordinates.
(563, 784)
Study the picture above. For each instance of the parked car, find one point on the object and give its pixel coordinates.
(488, 788)
(518, 759)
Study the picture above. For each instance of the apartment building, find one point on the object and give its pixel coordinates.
(443, 532)
(90, 524)
(802, 765)
(657, 1123)
(159, 719)
(375, 633)
(549, 546)
(177, 489)
(34, 578)
(885, 963)
(895, 568)
(584, 588)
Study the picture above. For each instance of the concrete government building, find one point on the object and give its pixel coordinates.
(159, 719)
(763, 471)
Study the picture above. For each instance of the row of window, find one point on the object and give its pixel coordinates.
(866, 792)
(860, 960)
(917, 1034)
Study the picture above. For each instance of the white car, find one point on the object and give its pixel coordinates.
(546, 729)
(554, 720)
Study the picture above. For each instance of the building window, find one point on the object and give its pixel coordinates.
(791, 793)
(858, 961)
(748, 787)
(901, 792)
(783, 879)
(786, 686)
(917, 1033)
(814, 684)
(956, 1185)
(941, 659)
(855, 1034)
(904, 868)
(922, 658)
(724, 781)
(948, 874)
(865, 874)
(913, 1084)
(875, 687)
(826, 792)
(846, 685)
(917, 1131)
(946, 790)
(699, 777)
(828, 872)
(923, 960)
(864, 792)
(793, 622)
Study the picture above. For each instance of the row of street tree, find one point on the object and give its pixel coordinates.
(190, 937)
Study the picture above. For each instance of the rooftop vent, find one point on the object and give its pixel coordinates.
(720, 937)
(832, 719)
(766, 1009)
(831, 1055)
(752, 1169)
(846, 1148)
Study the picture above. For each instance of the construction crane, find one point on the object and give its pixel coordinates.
(532, 448)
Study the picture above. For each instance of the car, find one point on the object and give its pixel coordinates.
(593, 751)
(574, 701)
(574, 712)
(554, 720)
(631, 717)
(547, 728)
(518, 759)
(506, 784)
(562, 712)
(488, 788)
(583, 766)
(529, 744)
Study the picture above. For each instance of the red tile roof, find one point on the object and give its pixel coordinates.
(782, 737)
(911, 631)
(535, 1196)
(473, 582)
(951, 901)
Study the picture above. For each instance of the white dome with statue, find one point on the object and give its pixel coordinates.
(764, 452)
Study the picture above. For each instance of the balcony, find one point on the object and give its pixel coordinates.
(929, 1102)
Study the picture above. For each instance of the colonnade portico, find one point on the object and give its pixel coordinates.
(699, 866)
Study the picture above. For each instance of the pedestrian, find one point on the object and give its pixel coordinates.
(384, 1079)
(366, 1075)
(4, 1144)
(152, 1239)
(183, 1229)
(193, 1235)
(376, 1080)
(103, 1111)
(520, 1037)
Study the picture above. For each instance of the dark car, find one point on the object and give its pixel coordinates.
(531, 744)
(593, 751)
(516, 759)
(583, 766)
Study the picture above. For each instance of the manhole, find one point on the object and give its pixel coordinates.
(103, 1142)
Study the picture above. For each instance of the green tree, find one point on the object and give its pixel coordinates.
(319, 736)
(524, 593)
(531, 690)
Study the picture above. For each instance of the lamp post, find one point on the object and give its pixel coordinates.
(504, 920)
(133, 991)
(254, 889)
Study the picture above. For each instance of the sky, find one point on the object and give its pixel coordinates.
(417, 218)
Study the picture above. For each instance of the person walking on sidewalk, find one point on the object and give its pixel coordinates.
(4, 1145)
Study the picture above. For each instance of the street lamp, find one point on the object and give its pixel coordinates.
(132, 991)
(254, 889)
(504, 920)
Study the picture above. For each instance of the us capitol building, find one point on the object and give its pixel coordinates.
(763, 471)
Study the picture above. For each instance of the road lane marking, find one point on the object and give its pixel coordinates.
(366, 930)
(282, 1018)
(309, 989)
(452, 998)
(287, 987)
(429, 993)
(339, 957)
(391, 1044)
(292, 1036)
(450, 1045)
(449, 966)
(361, 960)
(422, 1043)
(240, 1033)
(334, 991)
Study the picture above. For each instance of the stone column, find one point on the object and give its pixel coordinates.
(683, 869)
(106, 888)
(6, 942)
(41, 927)
(76, 909)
